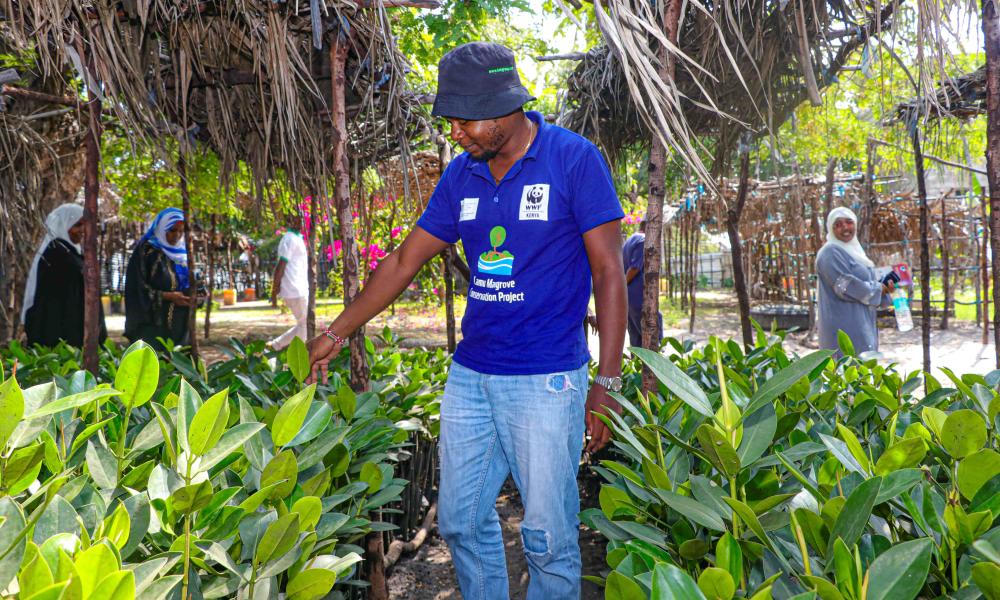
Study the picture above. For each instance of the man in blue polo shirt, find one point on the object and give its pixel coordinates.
(536, 210)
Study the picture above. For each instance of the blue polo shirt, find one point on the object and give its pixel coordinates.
(523, 241)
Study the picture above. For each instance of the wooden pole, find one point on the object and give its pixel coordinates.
(649, 320)
(735, 248)
(447, 257)
(831, 166)
(695, 263)
(189, 246)
(342, 198)
(91, 269)
(991, 35)
(984, 270)
(925, 261)
(210, 256)
(946, 280)
(313, 257)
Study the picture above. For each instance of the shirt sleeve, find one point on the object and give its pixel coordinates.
(284, 248)
(594, 199)
(439, 216)
(834, 269)
(633, 254)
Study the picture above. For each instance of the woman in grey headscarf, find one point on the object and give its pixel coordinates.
(53, 297)
(849, 292)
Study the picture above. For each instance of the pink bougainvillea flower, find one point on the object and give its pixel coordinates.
(337, 246)
(395, 232)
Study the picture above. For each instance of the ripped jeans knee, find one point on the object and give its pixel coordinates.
(537, 544)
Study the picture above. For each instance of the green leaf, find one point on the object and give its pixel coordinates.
(676, 380)
(729, 557)
(298, 359)
(188, 403)
(758, 433)
(780, 382)
(229, 443)
(898, 482)
(192, 498)
(94, 563)
(291, 415)
(282, 467)
(854, 446)
(311, 584)
(119, 585)
(103, 466)
(278, 538)
(620, 587)
(845, 344)
(718, 450)
(11, 411)
(963, 433)
(854, 516)
(987, 578)
(977, 469)
(209, 423)
(309, 509)
(934, 419)
(903, 454)
(372, 475)
(35, 575)
(347, 402)
(843, 454)
(671, 583)
(899, 573)
(138, 375)
(716, 584)
(98, 395)
(117, 527)
(692, 509)
(746, 514)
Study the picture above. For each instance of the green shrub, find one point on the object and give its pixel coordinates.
(166, 478)
(753, 474)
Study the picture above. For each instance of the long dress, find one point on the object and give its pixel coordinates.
(849, 295)
(57, 311)
(148, 316)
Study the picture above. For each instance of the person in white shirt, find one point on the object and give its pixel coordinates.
(290, 282)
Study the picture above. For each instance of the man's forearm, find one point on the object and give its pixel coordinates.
(611, 304)
(279, 273)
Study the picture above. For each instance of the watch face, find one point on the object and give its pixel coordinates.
(616, 384)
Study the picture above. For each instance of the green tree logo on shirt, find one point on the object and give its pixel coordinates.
(496, 261)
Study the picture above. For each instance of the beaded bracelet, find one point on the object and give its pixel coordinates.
(336, 338)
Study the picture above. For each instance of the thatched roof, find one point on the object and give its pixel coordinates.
(248, 78)
(962, 98)
(739, 66)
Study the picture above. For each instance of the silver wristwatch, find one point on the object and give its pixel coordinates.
(612, 384)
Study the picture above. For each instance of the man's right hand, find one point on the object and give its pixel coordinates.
(321, 351)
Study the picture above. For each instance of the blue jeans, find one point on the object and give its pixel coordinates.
(530, 426)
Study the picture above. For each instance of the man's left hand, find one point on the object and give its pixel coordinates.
(598, 401)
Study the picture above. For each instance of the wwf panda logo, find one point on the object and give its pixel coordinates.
(535, 195)
(535, 202)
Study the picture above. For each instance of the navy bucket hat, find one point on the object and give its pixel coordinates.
(478, 81)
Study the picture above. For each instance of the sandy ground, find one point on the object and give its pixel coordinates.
(429, 574)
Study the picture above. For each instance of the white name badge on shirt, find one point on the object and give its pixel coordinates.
(469, 208)
(535, 202)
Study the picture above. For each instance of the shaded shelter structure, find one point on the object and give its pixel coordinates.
(295, 92)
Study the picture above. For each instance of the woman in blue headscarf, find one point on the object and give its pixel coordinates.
(157, 283)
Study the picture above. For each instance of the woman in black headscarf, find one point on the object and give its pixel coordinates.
(53, 297)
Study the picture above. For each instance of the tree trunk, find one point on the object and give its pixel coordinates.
(91, 269)
(695, 264)
(342, 197)
(313, 257)
(189, 246)
(991, 34)
(945, 279)
(447, 256)
(925, 261)
(984, 268)
(736, 250)
(210, 257)
(864, 234)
